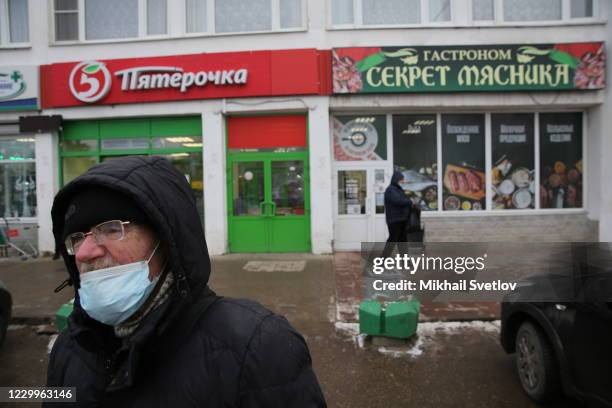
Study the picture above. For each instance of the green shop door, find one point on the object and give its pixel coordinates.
(269, 202)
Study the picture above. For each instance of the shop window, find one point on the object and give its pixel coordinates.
(19, 189)
(75, 166)
(136, 143)
(179, 139)
(415, 155)
(14, 24)
(513, 157)
(518, 11)
(463, 162)
(359, 137)
(288, 187)
(80, 145)
(176, 142)
(191, 166)
(237, 16)
(352, 192)
(17, 177)
(248, 179)
(389, 12)
(109, 19)
(561, 160)
(16, 148)
(379, 190)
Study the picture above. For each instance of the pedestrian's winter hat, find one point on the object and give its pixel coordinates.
(95, 205)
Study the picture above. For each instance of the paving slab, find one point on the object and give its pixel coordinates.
(31, 284)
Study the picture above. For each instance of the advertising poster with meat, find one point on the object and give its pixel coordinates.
(513, 156)
(415, 155)
(473, 68)
(561, 160)
(359, 138)
(463, 162)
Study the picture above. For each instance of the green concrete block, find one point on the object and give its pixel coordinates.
(401, 319)
(61, 316)
(370, 318)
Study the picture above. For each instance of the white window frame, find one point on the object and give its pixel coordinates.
(275, 24)
(498, 17)
(5, 30)
(425, 22)
(142, 25)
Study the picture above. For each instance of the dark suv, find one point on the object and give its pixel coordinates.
(561, 347)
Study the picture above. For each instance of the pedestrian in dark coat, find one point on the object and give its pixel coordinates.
(185, 346)
(397, 212)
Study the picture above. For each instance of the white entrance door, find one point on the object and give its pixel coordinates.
(359, 206)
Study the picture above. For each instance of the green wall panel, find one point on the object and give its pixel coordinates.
(125, 128)
(85, 129)
(183, 126)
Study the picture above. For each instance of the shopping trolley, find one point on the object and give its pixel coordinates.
(6, 233)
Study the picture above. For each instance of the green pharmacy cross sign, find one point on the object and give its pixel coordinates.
(518, 67)
(16, 76)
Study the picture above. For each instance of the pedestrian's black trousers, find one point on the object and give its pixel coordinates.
(397, 233)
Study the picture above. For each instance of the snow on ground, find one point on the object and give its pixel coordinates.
(346, 309)
(427, 328)
(426, 333)
(350, 329)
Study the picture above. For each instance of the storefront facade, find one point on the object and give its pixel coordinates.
(495, 168)
(268, 184)
(492, 109)
(256, 185)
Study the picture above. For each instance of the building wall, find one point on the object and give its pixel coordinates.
(316, 36)
(576, 227)
(598, 210)
(604, 187)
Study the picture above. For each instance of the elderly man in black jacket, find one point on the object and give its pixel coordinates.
(397, 212)
(146, 330)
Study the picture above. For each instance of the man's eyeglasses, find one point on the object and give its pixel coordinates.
(107, 231)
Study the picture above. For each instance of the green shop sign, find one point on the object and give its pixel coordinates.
(517, 67)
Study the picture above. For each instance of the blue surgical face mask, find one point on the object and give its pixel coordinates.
(112, 295)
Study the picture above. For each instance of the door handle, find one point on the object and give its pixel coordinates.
(263, 206)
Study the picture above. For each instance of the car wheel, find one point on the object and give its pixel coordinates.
(536, 365)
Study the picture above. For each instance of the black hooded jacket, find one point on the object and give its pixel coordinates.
(195, 350)
(397, 205)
